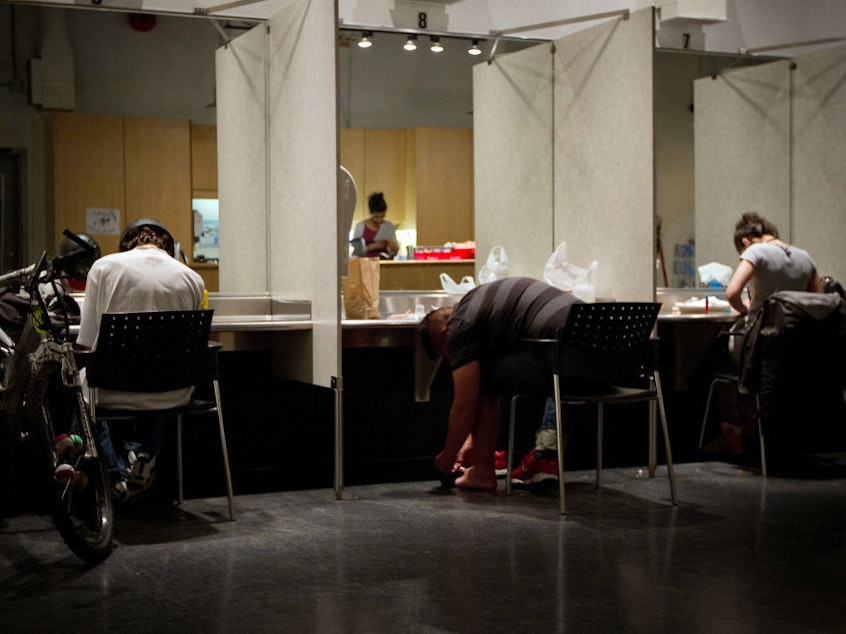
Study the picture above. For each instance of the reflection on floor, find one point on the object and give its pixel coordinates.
(739, 554)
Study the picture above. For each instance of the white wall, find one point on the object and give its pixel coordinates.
(512, 143)
(604, 200)
(819, 156)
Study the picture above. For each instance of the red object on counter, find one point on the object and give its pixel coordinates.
(443, 253)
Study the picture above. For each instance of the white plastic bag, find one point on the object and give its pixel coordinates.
(568, 277)
(496, 266)
(452, 287)
(715, 272)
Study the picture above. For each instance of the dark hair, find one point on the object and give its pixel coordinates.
(376, 202)
(751, 225)
(147, 231)
(430, 328)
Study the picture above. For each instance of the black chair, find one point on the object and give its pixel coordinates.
(607, 345)
(156, 352)
(732, 379)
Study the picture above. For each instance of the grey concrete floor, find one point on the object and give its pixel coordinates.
(739, 554)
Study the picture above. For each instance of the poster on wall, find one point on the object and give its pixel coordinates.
(104, 222)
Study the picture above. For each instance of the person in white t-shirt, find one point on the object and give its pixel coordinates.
(144, 276)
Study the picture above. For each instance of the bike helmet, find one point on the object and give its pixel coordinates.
(157, 226)
(74, 258)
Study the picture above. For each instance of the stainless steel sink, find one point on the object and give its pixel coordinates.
(401, 302)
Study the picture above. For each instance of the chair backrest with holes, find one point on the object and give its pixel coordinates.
(152, 351)
(602, 342)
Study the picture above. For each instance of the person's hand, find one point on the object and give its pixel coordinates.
(446, 463)
(465, 454)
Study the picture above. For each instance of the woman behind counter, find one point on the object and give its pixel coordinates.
(378, 234)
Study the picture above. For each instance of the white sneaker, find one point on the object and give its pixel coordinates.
(142, 470)
(121, 492)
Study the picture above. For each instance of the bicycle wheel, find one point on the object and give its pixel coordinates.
(77, 483)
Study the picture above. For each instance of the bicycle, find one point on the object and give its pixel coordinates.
(41, 403)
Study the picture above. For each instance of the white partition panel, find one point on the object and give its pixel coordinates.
(241, 68)
(819, 157)
(512, 137)
(303, 175)
(604, 198)
(742, 155)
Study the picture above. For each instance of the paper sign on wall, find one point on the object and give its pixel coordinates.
(102, 221)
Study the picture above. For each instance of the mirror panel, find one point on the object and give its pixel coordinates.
(742, 140)
(688, 237)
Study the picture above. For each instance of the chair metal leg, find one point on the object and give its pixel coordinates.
(229, 491)
(600, 423)
(714, 382)
(652, 440)
(509, 454)
(667, 449)
(179, 498)
(559, 433)
(761, 437)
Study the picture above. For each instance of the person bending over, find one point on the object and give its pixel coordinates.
(481, 337)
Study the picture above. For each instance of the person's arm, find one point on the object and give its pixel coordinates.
(89, 318)
(815, 284)
(742, 274)
(466, 381)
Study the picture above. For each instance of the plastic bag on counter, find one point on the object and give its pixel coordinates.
(559, 272)
(715, 273)
(452, 287)
(361, 289)
(496, 266)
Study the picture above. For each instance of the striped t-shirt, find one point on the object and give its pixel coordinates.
(493, 318)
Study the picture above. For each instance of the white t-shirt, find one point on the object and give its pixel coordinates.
(141, 280)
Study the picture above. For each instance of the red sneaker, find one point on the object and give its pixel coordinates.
(535, 468)
(500, 463)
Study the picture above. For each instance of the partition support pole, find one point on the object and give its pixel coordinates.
(338, 389)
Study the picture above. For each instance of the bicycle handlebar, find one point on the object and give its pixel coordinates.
(17, 278)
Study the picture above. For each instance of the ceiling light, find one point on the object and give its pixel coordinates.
(475, 50)
(411, 44)
(365, 41)
(436, 46)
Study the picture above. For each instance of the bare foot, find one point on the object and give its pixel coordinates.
(473, 478)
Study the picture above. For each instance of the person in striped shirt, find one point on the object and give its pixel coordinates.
(482, 339)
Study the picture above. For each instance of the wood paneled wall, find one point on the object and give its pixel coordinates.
(426, 175)
(138, 165)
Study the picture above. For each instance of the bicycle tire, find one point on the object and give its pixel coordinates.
(83, 513)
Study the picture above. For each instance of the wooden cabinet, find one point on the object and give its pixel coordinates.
(88, 171)
(157, 155)
(139, 166)
(204, 161)
(443, 168)
(426, 175)
(376, 161)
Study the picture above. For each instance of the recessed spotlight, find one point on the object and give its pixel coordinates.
(411, 43)
(475, 50)
(436, 46)
(365, 41)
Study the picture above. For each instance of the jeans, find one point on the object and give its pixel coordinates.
(548, 420)
(141, 435)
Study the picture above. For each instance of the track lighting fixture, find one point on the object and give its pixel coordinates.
(411, 43)
(475, 50)
(436, 46)
(365, 41)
